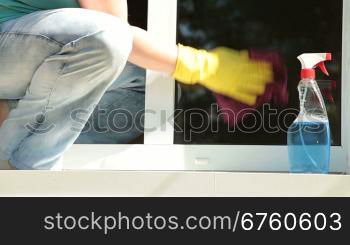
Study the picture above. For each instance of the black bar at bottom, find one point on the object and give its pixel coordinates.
(170, 220)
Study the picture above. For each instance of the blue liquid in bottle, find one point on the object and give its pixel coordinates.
(309, 147)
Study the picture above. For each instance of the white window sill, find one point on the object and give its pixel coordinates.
(155, 184)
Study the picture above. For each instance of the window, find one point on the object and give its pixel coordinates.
(288, 29)
(326, 26)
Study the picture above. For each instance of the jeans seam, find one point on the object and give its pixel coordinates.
(61, 45)
(43, 112)
(33, 35)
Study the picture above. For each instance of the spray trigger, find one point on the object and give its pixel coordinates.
(323, 68)
(311, 61)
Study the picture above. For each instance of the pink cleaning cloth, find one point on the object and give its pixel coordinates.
(276, 92)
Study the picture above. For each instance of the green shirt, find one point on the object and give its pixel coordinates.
(11, 9)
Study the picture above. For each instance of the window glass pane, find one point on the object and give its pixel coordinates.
(290, 28)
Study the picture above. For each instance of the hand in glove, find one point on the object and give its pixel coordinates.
(224, 71)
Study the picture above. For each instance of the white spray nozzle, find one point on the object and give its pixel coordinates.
(311, 61)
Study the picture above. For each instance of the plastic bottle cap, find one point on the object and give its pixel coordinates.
(308, 74)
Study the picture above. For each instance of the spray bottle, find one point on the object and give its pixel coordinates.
(309, 136)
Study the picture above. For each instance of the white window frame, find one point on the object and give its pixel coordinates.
(159, 152)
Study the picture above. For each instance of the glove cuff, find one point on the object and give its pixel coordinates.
(193, 66)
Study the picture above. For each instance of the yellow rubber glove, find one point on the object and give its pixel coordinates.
(224, 71)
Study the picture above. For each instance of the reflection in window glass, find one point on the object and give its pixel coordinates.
(291, 29)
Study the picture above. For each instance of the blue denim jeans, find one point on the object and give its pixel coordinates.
(119, 116)
(59, 65)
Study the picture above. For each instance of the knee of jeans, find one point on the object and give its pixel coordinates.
(107, 50)
(113, 46)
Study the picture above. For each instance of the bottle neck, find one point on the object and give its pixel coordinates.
(311, 102)
(308, 74)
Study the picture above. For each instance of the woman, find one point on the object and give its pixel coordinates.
(60, 56)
